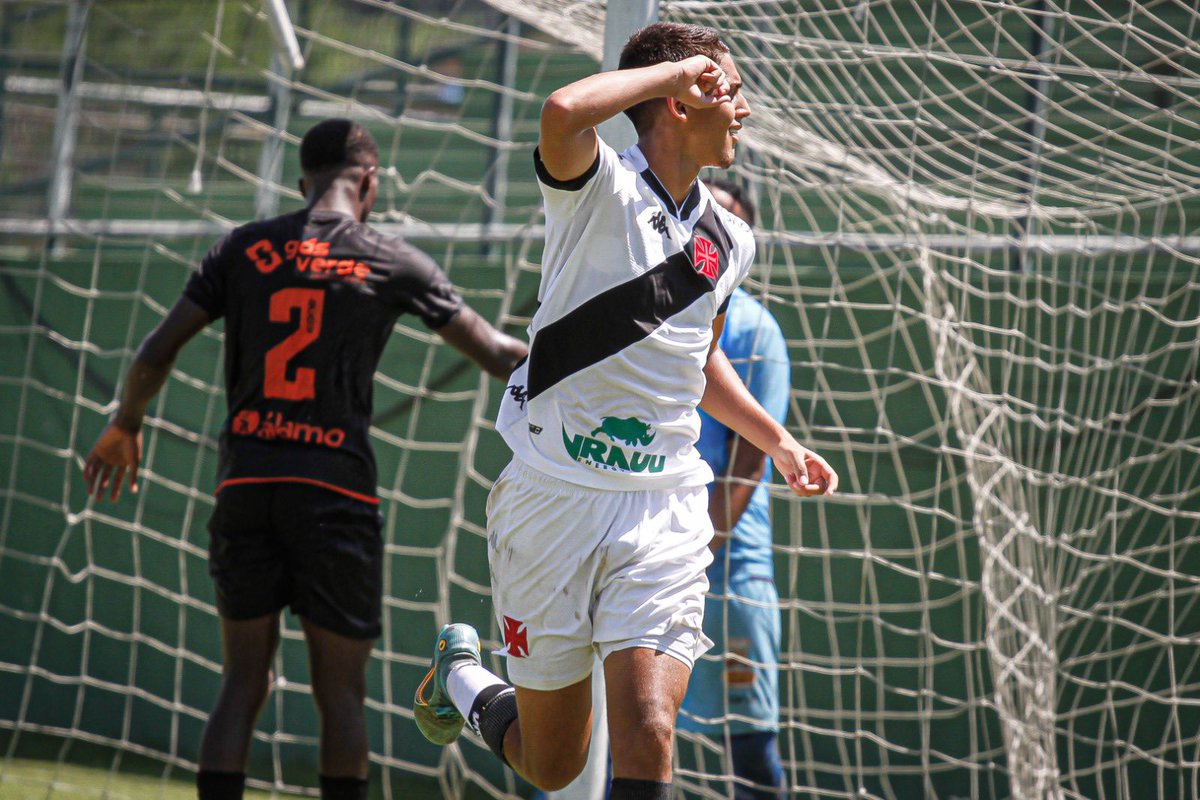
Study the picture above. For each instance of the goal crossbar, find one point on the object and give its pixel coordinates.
(475, 232)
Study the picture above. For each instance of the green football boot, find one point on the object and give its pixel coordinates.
(440, 722)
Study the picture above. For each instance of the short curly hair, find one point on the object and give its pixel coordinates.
(666, 41)
(336, 144)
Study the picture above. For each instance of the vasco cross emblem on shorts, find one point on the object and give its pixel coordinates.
(705, 258)
(516, 637)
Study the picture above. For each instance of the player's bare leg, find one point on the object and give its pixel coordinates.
(644, 689)
(248, 646)
(548, 743)
(338, 666)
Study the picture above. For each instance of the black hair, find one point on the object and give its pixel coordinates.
(661, 42)
(738, 195)
(336, 144)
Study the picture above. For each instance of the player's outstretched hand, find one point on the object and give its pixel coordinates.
(116, 452)
(806, 473)
(702, 83)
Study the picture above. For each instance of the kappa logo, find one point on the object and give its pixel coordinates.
(516, 638)
(518, 393)
(658, 222)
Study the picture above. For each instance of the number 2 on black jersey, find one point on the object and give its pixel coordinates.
(310, 303)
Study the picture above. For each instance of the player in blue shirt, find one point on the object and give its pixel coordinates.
(738, 692)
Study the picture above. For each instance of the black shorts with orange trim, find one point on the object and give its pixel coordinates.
(316, 551)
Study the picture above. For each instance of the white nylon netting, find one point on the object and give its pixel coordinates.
(979, 234)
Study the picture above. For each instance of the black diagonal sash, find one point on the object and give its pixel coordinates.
(624, 314)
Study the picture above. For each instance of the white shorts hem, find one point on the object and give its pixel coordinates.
(684, 646)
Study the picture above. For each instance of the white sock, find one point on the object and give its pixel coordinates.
(465, 681)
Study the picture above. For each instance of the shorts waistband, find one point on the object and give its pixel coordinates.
(535, 476)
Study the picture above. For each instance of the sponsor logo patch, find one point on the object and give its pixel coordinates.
(628, 431)
(308, 255)
(248, 422)
(263, 254)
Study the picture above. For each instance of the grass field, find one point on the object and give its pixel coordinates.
(25, 779)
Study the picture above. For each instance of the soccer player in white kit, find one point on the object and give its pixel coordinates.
(598, 529)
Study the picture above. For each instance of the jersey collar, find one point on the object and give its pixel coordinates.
(637, 160)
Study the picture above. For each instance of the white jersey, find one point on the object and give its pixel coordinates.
(630, 287)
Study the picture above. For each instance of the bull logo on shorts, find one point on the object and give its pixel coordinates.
(516, 638)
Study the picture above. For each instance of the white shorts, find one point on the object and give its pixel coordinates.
(579, 571)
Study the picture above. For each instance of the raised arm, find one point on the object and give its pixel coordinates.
(495, 352)
(118, 450)
(567, 144)
(728, 401)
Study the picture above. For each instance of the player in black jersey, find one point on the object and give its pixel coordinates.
(309, 300)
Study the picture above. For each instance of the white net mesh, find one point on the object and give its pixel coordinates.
(978, 233)
(110, 656)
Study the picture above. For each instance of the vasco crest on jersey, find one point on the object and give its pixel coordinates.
(710, 248)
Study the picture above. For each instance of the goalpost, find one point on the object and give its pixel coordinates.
(978, 230)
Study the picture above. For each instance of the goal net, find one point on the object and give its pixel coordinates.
(977, 230)
(173, 128)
